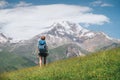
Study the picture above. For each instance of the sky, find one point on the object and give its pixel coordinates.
(23, 19)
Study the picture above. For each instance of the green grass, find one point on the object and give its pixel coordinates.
(22, 56)
(11, 61)
(103, 65)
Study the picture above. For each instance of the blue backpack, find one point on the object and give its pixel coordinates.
(42, 46)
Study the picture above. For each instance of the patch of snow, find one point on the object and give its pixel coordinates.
(69, 32)
(107, 36)
(84, 31)
(61, 33)
(90, 35)
(74, 39)
(60, 30)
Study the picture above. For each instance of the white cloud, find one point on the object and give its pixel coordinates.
(26, 22)
(96, 3)
(100, 3)
(23, 4)
(106, 5)
(3, 3)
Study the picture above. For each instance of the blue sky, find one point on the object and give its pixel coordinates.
(107, 12)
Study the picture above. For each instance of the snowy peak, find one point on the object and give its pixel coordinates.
(66, 28)
(66, 32)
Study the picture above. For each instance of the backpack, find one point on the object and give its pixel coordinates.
(42, 46)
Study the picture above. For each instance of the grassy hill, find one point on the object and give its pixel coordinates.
(103, 65)
(11, 61)
(22, 57)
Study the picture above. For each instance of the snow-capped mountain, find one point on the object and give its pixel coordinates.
(65, 32)
(65, 28)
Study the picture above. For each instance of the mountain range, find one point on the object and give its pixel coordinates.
(64, 39)
(67, 32)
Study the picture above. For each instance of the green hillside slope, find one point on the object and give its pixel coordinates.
(104, 65)
(22, 57)
(11, 61)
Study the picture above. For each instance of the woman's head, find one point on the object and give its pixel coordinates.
(43, 37)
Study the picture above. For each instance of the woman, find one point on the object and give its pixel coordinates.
(43, 50)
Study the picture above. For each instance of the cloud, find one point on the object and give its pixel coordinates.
(96, 3)
(26, 22)
(23, 4)
(3, 3)
(106, 5)
(100, 3)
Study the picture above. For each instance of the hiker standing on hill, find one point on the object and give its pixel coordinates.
(43, 50)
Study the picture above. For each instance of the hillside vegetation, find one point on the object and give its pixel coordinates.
(103, 65)
(11, 61)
